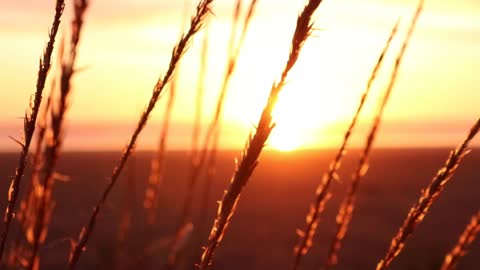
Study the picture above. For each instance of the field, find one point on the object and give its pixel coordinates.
(396, 201)
(262, 235)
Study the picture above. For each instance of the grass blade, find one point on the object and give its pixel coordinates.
(256, 142)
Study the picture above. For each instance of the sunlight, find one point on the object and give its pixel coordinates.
(292, 116)
(303, 111)
(285, 139)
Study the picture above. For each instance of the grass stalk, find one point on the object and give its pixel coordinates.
(321, 193)
(347, 206)
(215, 136)
(233, 54)
(30, 119)
(463, 244)
(27, 213)
(207, 188)
(152, 191)
(58, 109)
(429, 196)
(256, 142)
(196, 23)
(126, 216)
(194, 155)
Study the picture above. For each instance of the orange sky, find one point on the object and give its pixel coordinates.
(126, 45)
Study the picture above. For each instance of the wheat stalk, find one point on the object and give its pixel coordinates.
(29, 123)
(347, 206)
(463, 244)
(178, 51)
(255, 142)
(321, 193)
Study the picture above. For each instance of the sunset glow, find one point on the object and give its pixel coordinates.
(223, 134)
(123, 53)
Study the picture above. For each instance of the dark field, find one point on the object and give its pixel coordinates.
(262, 233)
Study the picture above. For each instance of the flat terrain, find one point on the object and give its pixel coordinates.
(274, 204)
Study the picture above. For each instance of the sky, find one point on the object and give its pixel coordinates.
(126, 45)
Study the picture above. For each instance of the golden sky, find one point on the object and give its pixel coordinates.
(126, 45)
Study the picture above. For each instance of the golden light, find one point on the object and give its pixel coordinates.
(285, 139)
(292, 121)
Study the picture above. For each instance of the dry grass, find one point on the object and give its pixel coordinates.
(195, 24)
(30, 119)
(428, 197)
(347, 206)
(27, 213)
(256, 142)
(37, 233)
(213, 130)
(155, 181)
(321, 193)
(215, 125)
(463, 245)
(194, 160)
(34, 215)
(152, 191)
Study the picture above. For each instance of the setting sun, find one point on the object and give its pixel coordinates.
(285, 139)
(212, 134)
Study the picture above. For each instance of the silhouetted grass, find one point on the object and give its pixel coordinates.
(54, 138)
(322, 194)
(463, 245)
(30, 119)
(195, 24)
(213, 130)
(428, 197)
(347, 206)
(34, 214)
(256, 142)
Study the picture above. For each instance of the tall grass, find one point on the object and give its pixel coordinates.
(27, 213)
(322, 191)
(212, 133)
(347, 206)
(58, 109)
(157, 171)
(194, 158)
(196, 23)
(30, 120)
(36, 208)
(256, 142)
(463, 245)
(152, 191)
(213, 130)
(429, 195)
(211, 163)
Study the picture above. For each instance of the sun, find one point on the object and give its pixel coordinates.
(291, 124)
(302, 115)
(284, 139)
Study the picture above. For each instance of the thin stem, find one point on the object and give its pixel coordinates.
(321, 194)
(347, 206)
(463, 244)
(29, 124)
(255, 142)
(195, 24)
(58, 109)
